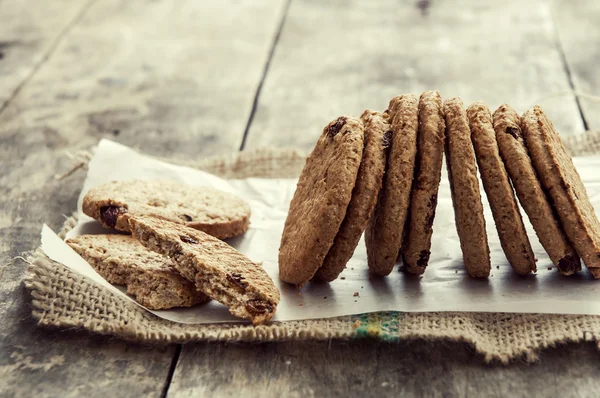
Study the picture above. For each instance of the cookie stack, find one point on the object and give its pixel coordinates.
(172, 255)
(380, 174)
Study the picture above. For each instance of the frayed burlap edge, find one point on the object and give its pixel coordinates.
(63, 299)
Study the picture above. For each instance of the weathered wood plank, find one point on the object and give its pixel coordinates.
(170, 79)
(579, 35)
(342, 57)
(373, 369)
(28, 32)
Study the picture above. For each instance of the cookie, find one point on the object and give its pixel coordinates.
(464, 187)
(564, 186)
(364, 196)
(385, 231)
(217, 269)
(500, 194)
(217, 213)
(322, 196)
(148, 276)
(532, 196)
(428, 163)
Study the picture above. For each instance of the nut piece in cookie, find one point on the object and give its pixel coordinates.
(529, 190)
(509, 224)
(560, 179)
(148, 276)
(430, 153)
(217, 213)
(364, 196)
(321, 199)
(385, 231)
(464, 186)
(217, 269)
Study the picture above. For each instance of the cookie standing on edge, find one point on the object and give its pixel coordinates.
(364, 196)
(560, 179)
(217, 269)
(464, 185)
(385, 231)
(322, 196)
(217, 213)
(149, 277)
(530, 192)
(430, 152)
(500, 194)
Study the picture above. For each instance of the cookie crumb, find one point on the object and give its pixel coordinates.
(497, 267)
(343, 277)
(456, 271)
(356, 294)
(356, 324)
(324, 297)
(549, 268)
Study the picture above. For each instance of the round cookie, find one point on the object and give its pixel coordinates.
(530, 192)
(322, 196)
(501, 197)
(560, 179)
(217, 213)
(430, 153)
(149, 277)
(385, 231)
(464, 186)
(364, 196)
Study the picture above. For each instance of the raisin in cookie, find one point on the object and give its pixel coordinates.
(217, 213)
(148, 276)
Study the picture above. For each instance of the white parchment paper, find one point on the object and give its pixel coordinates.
(444, 287)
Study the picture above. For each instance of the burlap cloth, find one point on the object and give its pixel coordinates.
(61, 298)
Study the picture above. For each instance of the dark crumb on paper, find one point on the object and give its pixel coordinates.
(352, 268)
(497, 267)
(343, 277)
(549, 268)
(324, 297)
(456, 271)
(356, 294)
(536, 259)
(362, 287)
(356, 301)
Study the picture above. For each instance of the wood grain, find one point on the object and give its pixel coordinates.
(342, 57)
(577, 26)
(376, 369)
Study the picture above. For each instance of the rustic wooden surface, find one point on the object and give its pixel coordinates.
(192, 78)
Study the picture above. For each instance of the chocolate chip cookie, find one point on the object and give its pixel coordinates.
(148, 276)
(217, 213)
(500, 194)
(560, 179)
(217, 269)
(532, 196)
(364, 196)
(464, 186)
(430, 153)
(385, 231)
(320, 201)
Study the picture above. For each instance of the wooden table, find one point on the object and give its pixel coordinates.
(192, 79)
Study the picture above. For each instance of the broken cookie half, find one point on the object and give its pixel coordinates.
(217, 269)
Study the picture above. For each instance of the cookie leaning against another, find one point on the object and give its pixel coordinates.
(530, 192)
(217, 269)
(430, 153)
(364, 196)
(464, 186)
(149, 277)
(217, 213)
(320, 201)
(385, 231)
(559, 177)
(500, 194)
